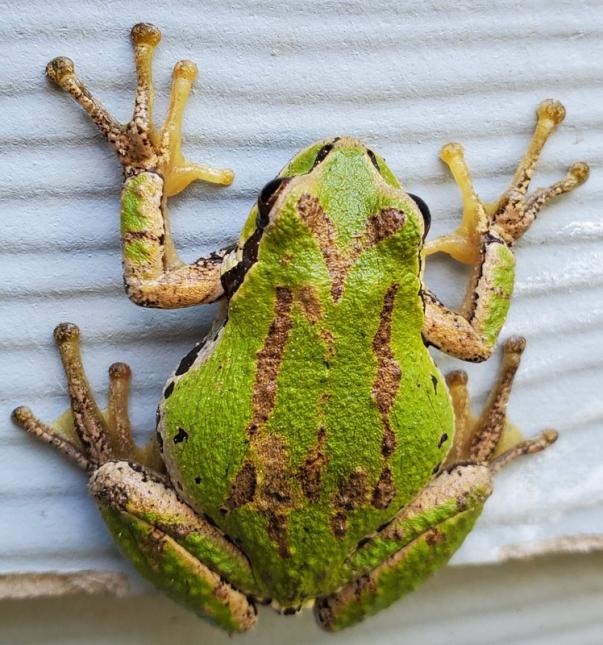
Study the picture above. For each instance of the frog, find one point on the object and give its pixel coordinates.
(308, 451)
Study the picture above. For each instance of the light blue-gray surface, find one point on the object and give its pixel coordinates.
(405, 77)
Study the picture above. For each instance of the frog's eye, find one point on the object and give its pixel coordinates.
(322, 154)
(424, 211)
(267, 198)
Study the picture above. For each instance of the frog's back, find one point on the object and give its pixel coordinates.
(302, 426)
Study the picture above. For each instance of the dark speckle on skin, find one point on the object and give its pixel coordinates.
(434, 380)
(197, 479)
(443, 438)
(188, 360)
(181, 436)
(168, 390)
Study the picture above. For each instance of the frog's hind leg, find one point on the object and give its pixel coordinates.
(171, 545)
(427, 532)
(415, 544)
(85, 434)
(178, 550)
(488, 436)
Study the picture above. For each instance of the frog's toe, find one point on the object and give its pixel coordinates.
(145, 33)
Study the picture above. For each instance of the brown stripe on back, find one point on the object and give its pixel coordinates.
(351, 494)
(385, 389)
(269, 359)
(378, 228)
(389, 374)
(310, 472)
(264, 478)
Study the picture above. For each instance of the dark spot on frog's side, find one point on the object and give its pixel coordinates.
(197, 479)
(168, 390)
(181, 436)
(233, 278)
(434, 380)
(442, 440)
(188, 360)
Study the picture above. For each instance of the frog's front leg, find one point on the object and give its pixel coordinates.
(171, 545)
(427, 532)
(154, 169)
(484, 240)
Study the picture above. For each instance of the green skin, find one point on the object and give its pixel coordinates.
(305, 440)
(327, 379)
(350, 190)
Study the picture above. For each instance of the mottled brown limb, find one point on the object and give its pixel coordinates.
(452, 332)
(526, 447)
(88, 420)
(518, 214)
(119, 429)
(145, 38)
(484, 439)
(118, 420)
(26, 419)
(461, 405)
(483, 239)
(490, 427)
(153, 273)
(101, 437)
(61, 70)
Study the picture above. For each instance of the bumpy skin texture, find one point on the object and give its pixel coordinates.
(306, 449)
(314, 395)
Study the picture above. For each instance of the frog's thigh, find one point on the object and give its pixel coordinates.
(424, 535)
(173, 547)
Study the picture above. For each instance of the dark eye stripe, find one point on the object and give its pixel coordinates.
(322, 154)
(424, 211)
(267, 198)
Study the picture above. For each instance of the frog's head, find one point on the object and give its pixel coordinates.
(350, 181)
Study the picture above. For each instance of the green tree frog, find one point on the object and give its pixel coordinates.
(308, 451)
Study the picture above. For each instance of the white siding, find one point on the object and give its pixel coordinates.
(405, 77)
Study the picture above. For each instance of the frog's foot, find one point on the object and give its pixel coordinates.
(415, 544)
(491, 438)
(138, 144)
(510, 217)
(85, 434)
(175, 548)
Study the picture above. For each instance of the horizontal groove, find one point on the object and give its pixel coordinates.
(315, 33)
(502, 170)
(577, 79)
(283, 141)
(274, 77)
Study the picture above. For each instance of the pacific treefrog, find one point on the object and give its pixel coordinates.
(308, 450)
